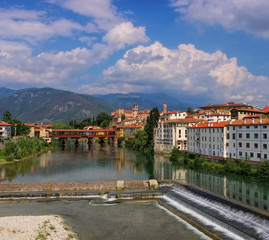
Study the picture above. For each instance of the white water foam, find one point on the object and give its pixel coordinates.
(260, 226)
(189, 226)
(203, 219)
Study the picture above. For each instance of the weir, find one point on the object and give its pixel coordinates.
(216, 218)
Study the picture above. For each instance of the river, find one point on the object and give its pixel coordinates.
(107, 163)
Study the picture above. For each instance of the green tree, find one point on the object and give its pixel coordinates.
(263, 169)
(190, 110)
(103, 119)
(60, 125)
(6, 116)
(152, 122)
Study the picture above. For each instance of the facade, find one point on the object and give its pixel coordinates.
(5, 129)
(208, 138)
(128, 131)
(244, 112)
(172, 133)
(248, 139)
(215, 117)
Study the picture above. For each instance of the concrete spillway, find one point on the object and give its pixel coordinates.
(216, 217)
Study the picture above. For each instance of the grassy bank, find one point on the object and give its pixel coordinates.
(22, 148)
(237, 166)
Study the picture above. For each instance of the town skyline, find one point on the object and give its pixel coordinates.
(210, 52)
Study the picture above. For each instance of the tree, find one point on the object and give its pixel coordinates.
(190, 110)
(103, 119)
(6, 116)
(60, 125)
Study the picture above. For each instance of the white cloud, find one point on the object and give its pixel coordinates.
(185, 71)
(247, 15)
(125, 34)
(32, 26)
(103, 12)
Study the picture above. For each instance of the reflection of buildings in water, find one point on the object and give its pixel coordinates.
(236, 190)
(2, 175)
(212, 183)
(248, 194)
(163, 169)
(45, 160)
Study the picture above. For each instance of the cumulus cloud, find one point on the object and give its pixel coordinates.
(103, 13)
(61, 69)
(246, 15)
(185, 71)
(32, 26)
(125, 34)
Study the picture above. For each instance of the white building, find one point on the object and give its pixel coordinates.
(208, 138)
(248, 139)
(5, 129)
(172, 133)
(215, 117)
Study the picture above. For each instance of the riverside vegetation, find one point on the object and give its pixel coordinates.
(237, 166)
(21, 148)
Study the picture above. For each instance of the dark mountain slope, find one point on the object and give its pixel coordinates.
(50, 105)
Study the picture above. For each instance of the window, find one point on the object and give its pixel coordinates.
(265, 156)
(240, 127)
(256, 145)
(255, 126)
(264, 146)
(265, 136)
(247, 135)
(256, 135)
(228, 136)
(258, 155)
(228, 128)
(264, 126)
(247, 126)
(233, 135)
(247, 145)
(240, 154)
(251, 154)
(240, 135)
(240, 144)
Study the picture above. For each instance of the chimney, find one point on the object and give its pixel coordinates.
(245, 121)
(164, 108)
(252, 120)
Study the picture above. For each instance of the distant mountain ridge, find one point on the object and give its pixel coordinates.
(144, 101)
(4, 92)
(49, 105)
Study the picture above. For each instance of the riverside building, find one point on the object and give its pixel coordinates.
(172, 131)
(248, 139)
(208, 138)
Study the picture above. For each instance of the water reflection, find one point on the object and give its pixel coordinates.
(108, 163)
(82, 163)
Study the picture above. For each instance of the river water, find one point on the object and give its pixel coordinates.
(107, 163)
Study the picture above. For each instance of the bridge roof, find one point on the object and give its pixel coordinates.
(83, 130)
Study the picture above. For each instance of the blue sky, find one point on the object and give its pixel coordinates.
(200, 51)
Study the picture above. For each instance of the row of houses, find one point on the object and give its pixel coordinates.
(225, 131)
(36, 130)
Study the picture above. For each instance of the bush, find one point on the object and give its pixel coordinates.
(23, 147)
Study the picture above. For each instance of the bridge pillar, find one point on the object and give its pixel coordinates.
(77, 142)
(102, 141)
(89, 141)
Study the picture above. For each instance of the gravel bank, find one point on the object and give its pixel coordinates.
(34, 227)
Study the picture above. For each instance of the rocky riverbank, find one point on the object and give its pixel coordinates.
(35, 228)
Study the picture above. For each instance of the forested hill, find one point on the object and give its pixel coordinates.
(49, 105)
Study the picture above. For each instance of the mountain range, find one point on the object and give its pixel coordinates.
(48, 105)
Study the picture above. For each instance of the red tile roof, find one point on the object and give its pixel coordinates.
(254, 121)
(184, 120)
(266, 109)
(4, 124)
